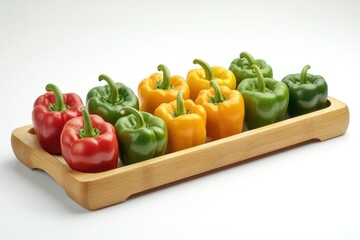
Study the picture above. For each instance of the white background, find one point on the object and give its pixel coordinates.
(307, 192)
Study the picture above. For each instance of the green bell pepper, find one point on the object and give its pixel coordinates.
(106, 101)
(241, 67)
(266, 100)
(141, 136)
(307, 92)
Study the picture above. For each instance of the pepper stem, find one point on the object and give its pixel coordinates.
(88, 130)
(260, 78)
(139, 120)
(248, 57)
(180, 105)
(165, 83)
(59, 104)
(303, 74)
(218, 98)
(114, 93)
(208, 72)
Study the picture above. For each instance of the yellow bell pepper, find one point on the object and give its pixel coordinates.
(225, 110)
(199, 78)
(160, 88)
(186, 123)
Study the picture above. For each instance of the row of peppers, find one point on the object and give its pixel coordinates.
(170, 113)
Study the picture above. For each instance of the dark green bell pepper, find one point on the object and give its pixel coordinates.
(308, 92)
(266, 100)
(241, 67)
(141, 136)
(106, 101)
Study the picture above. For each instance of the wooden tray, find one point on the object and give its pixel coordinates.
(98, 190)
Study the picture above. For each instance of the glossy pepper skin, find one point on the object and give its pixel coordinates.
(106, 101)
(225, 110)
(266, 100)
(89, 144)
(141, 136)
(50, 113)
(199, 78)
(241, 67)
(308, 92)
(186, 123)
(160, 88)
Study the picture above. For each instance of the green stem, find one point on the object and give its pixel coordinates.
(218, 98)
(59, 104)
(88, 130)
(114, 92)
(165, 83)
(260, 77)
(139, 120)
(248, 57)
(208, 72)
(303, 74)
(180, 105)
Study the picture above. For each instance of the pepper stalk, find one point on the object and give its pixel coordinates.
(165, 84)
(88, 130)
(248, 57)
(218, 97)
(180, 105)
(208, 72)
(303, 75)
(260, 78)
(113, 96)
(139, 120)
(59, 104)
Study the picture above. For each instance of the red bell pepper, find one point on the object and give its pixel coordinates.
(50, 112)
(89, 144)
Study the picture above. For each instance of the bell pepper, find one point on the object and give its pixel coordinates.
(266, 100)
(50, 113)
(106, 101)
(225, 110)
(307, 92)
(141, 136)
(160, 88)
(89, 144)
(186, 123)
(241, 67)
(199, 78)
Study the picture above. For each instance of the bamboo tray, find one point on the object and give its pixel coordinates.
(98, 190)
